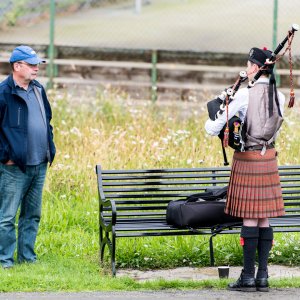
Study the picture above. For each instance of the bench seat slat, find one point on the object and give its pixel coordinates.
(275, 222)
(142, 213)
(181, 232)
(145, 226)
(141, 220)
(132, 208)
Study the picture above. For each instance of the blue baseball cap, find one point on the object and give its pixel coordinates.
(27, 54)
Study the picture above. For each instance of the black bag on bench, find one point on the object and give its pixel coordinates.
(200, 210)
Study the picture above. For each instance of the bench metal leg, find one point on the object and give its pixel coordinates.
(111, 244)
(102, 248)
(101, 245)
(211, 251)
(113, 254)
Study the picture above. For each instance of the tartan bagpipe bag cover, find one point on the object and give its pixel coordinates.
(200, 210)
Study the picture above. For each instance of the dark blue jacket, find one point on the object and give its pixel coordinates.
(13, 124)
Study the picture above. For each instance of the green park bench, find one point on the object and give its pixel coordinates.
(132, 203)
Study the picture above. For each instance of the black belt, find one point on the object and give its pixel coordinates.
(258, 147)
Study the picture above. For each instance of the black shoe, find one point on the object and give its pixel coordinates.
(243, 284)
(262, 284)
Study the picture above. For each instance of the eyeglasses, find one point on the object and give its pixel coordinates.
(27, 64)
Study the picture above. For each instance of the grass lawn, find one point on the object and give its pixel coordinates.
(114, 131)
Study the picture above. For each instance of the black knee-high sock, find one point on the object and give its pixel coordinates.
(249, 236)
(264, 246)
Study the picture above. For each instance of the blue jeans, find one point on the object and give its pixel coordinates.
(24, 190)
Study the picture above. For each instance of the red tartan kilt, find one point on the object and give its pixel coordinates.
(254, 188)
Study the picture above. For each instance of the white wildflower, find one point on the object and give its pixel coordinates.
(95, 131)
(75, 131)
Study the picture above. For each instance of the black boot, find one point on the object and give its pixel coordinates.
(246, 282)
(264, 246)
(243, 284)
(262, 284)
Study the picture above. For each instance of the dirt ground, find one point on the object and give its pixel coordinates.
(275, 271)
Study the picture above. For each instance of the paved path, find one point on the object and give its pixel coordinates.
(178, 273)
(277, 294)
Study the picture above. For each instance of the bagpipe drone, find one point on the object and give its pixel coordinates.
(232, 133)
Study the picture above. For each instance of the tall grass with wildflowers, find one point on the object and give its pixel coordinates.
(111, 130)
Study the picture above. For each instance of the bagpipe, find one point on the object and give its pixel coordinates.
(232, 133)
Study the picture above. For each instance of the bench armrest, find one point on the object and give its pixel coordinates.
(107, 222)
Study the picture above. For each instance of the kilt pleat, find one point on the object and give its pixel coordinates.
(254, 188)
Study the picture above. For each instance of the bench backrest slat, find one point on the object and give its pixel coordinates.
(169, 176)
(175, 170)
(289, 186)
(146, 196)
(180, 176)
(155, 189)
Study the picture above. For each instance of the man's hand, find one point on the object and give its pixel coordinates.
(10, 162)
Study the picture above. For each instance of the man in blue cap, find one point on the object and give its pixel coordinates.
(26, 147)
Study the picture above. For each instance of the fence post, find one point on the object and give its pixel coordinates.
(275, 22)
(138, 6)
(51, 67)
(154, 76)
